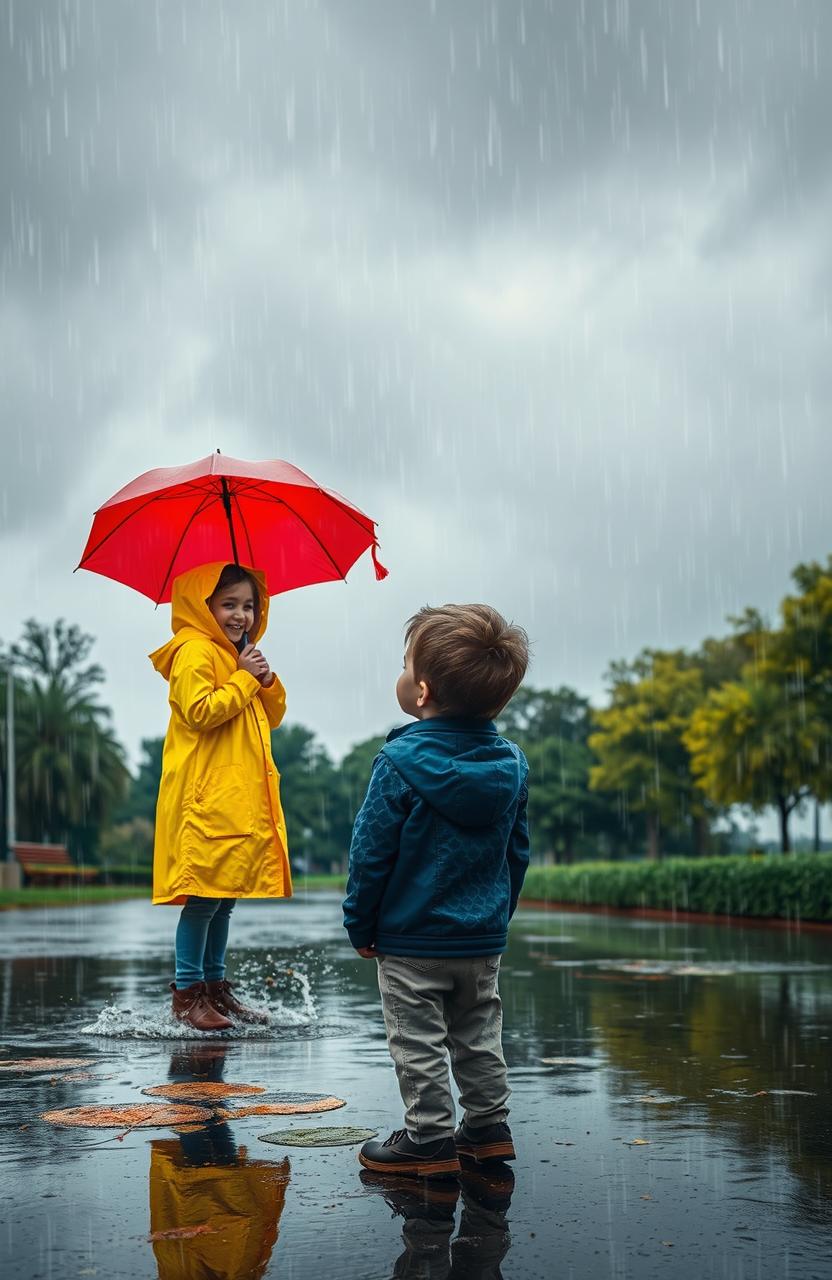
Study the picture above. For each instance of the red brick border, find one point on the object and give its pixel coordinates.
(682, 917)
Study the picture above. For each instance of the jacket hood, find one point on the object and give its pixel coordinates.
(191, 619)
(463, 768)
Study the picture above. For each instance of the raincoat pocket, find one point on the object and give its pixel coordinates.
(222, 803)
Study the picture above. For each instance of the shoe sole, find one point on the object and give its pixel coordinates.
(418, 1169)
(487, 1152)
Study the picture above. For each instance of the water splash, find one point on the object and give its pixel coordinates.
(150, 1022)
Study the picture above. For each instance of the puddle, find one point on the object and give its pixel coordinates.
(609, 1057)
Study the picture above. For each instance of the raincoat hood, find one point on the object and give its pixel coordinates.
(463, 768)
(191, 619)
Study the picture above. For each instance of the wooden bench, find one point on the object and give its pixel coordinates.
(50, 864)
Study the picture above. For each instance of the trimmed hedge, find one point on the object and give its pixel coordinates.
(797, 887)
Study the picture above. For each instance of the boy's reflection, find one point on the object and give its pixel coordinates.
(429, 1212)
(202, 1179)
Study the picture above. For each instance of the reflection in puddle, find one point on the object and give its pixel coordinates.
(428, 1209)
(213, 1211)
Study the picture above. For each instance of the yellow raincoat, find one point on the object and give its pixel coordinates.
(241, 1204)
(220, 830)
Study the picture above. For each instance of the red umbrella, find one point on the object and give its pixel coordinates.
(268, 515)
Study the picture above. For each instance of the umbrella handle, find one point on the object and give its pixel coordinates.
(226, 502)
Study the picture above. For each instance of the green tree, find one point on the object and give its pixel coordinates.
(752, 742)
(553, 727)
(354, 775)
(71, 771)
(806, 650)
(639, 742)
(310, 796)
(143, 791)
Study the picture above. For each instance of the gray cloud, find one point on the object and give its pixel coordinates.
(544, 288)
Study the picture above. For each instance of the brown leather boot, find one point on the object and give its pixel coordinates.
(221, 996)
(191, 1005)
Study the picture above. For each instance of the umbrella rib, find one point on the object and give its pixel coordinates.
(339, 503)
(153, 498)
(198, 509)
(273, 498)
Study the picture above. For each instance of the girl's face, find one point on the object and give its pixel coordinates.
(233, 608)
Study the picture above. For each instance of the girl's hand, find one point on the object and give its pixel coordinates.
(252, 661)
(266, 675)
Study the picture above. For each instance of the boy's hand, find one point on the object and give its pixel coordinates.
(368, 953)
(252, 661)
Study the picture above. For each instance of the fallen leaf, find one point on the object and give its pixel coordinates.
(45, 1064)
(657, 1102)
(75, 1076)
(337, 1136)
(302, 1104)
(143, 1115)
(183, 1233)
(202, 1089)
(638, 1142)
(761, 1093)
(645, 1197)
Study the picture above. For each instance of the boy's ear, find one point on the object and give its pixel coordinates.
(425, 694)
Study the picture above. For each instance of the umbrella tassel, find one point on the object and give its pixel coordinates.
(381, 572)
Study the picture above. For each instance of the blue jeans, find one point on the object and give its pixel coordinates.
(201, 938)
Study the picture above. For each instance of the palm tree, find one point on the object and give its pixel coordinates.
(71, 770)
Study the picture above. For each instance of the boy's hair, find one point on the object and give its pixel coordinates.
(232, 575)
(472, 659)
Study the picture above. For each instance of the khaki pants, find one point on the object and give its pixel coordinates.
(433, 1007)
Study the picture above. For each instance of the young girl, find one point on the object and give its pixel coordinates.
(220, 831)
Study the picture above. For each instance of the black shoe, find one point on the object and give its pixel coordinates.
(491, 1142)
(399, 1155)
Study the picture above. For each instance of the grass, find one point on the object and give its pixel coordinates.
(69, 895)
(302, 884)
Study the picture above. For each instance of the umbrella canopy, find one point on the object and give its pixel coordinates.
(268, 515)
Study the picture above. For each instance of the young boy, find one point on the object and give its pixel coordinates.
(439, 851)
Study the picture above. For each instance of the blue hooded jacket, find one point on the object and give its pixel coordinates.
(440, 845)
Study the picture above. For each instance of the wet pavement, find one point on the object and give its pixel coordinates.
(670, 1082)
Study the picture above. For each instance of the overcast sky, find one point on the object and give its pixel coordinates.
(542, 287)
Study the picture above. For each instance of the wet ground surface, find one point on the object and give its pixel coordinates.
(671, 1089)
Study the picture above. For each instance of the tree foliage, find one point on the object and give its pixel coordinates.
(684, 737)
(639, 740)
(71, 770)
